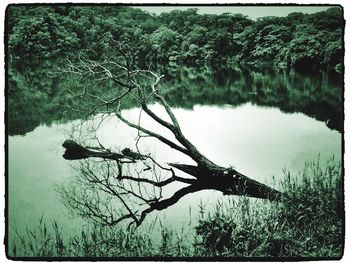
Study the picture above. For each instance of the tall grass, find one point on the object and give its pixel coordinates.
(99, 241)
(307, 222)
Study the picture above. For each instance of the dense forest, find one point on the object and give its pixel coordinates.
(301, 41)
(196, 52)
(294, 64)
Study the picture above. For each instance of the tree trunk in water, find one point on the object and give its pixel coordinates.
(228, 181)
(208, 175)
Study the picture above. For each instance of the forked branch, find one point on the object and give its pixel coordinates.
(144, 179)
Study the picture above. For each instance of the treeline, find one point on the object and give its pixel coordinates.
(301, 41)
(35, 97)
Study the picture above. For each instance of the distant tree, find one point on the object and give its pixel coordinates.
(40, 32)
(165, 42)
(183, 36)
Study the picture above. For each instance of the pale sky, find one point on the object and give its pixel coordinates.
(252, 11)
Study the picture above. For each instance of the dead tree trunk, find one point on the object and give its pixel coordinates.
(204, 175)
(228, 181)
(211, 176)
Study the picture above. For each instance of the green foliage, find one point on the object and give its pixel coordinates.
(307, 222)
(299, 41)
(98, 241)
(39, 93)
(164, 42)
(41, 32)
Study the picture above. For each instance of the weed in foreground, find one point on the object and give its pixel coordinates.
(307, 222)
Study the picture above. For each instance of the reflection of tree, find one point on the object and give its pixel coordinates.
(35, 96)
(128, 184)
(316, 96)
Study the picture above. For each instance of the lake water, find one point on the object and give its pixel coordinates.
(258, 141)
(258, 138)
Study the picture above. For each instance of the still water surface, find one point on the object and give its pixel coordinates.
(258, 141)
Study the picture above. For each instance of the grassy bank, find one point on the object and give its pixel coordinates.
(307, 222)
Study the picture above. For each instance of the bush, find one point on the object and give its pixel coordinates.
(307, 222)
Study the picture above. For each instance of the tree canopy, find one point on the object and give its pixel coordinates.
(297, 41)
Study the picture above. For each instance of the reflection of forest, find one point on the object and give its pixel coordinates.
(38, 96)
(318, 96)
(38, 92)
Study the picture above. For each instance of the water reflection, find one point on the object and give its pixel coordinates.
(318, 96)
(258, 141)
(38, 96)
(271, 120)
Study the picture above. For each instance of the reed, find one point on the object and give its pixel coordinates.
(307, 222)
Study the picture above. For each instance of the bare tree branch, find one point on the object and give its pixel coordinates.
(129, 177)
(153, 134)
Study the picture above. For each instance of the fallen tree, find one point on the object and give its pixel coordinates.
(113, 182)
